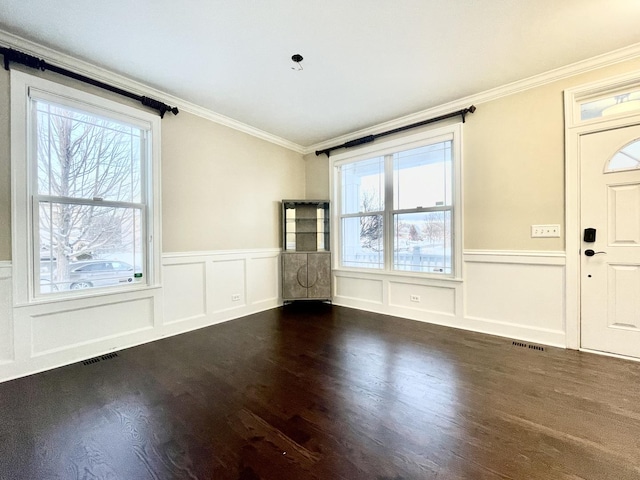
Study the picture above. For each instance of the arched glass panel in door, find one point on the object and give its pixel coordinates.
(627, 158)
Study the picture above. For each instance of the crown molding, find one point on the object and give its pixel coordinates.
(85, 68)
(617, 56)
(60, 59)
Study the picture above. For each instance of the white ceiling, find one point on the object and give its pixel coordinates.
(365, 61)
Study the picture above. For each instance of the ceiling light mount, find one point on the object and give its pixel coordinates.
(297, 58)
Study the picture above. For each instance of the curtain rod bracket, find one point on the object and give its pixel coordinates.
(464, 112)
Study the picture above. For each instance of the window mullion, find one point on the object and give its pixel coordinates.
(388, 215)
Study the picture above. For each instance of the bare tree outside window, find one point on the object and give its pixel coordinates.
(371, 231)
(433, 229)
(89, 188)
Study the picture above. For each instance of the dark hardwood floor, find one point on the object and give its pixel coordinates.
(318, 392)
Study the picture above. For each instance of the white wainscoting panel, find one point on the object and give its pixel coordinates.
(213, 280)
(433, 299)
(228, 282)
(518, 294)
(358, 288)
(391, 294)
(6, 313)
(526, 295)
(55, 329)
(197, 292)
(185, 291)
(263, 278)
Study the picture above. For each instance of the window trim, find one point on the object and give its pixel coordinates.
(24, 183)
(451, 132)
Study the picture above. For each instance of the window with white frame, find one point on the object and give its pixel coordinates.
(399, 205)
(84, 185)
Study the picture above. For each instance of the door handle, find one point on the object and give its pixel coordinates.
(591, 253)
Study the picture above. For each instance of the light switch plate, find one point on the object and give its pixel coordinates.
(545, 231)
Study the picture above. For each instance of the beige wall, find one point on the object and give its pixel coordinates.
(513, 166)
(221, 187)
(513, 154)
(317, 176)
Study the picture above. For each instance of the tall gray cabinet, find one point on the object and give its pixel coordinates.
(306, 258)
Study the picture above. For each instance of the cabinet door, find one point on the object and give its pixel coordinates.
(319, 275)
(294, 276)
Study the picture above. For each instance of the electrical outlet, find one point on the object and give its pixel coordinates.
(414, 298)
(545, 231)
(235, 297)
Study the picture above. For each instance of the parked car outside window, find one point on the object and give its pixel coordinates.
(99, 273)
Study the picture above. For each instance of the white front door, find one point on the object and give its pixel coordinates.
(610, 266)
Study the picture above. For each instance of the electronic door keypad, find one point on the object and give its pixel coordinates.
(589, 235)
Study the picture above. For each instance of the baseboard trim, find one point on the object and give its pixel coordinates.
(552, 338)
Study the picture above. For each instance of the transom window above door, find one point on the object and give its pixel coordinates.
(617, 104)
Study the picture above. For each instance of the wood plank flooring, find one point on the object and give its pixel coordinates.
(322, 392)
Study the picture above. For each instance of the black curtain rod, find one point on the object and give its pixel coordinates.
(371, 138)
(11, 55)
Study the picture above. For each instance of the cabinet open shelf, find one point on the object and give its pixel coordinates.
(305, 225)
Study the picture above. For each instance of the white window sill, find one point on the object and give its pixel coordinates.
(349, 271)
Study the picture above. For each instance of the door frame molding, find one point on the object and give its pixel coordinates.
(574, 128)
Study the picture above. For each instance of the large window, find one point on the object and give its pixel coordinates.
(398, 206)
(88, 178)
